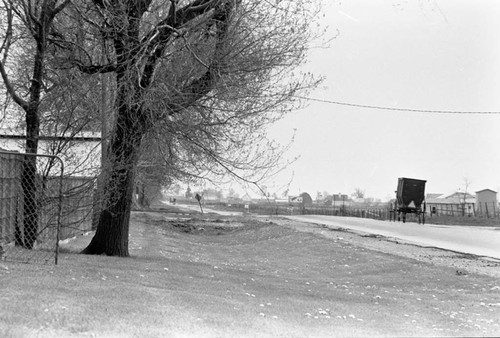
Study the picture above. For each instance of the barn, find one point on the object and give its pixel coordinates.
(304, 200)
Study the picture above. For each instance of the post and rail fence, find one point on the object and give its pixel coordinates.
(481, 214)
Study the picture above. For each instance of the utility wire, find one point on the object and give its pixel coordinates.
(396, 109)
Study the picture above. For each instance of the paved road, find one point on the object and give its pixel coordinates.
(481, 241)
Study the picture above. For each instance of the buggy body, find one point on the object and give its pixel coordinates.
(410, 197)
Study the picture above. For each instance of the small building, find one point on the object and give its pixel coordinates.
(307, 200)
(486, 202)
(455, 204)
(342, 200)
(486, 196)
(210, 196)
(304, 200)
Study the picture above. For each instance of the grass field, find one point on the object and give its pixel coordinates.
(210, 276)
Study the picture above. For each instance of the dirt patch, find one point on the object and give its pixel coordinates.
(201, 225)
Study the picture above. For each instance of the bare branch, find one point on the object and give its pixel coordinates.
(60, 7)
(10, 89)
(94, 69)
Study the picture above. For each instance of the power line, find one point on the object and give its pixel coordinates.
(348, 104)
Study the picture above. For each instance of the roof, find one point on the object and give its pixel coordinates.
(455, 198)
(459, 195)
(477, 192)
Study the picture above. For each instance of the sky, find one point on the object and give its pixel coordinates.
(404, 54)
(415, 54)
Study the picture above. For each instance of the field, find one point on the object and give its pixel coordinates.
(192, 275)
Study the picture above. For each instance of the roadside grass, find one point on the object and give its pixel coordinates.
(206, 275)
(464, 220)
(457, 219)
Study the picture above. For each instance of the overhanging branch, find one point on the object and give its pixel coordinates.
(201, 86)
(94, 69)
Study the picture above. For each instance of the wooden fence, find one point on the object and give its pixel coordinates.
(10, 171)
(77, 200)
(488, 210)
(484, 209)
(451, 211)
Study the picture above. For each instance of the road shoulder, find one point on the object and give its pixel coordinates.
(464, 264)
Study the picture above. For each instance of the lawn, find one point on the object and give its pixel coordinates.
(211, 276)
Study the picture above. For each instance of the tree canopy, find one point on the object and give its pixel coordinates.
(201, 78)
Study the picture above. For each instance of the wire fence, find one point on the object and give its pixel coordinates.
(39, 206)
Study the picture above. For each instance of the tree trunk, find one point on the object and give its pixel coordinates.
(28, 178)
(106, 123)
(111, 237)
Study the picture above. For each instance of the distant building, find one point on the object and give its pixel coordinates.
(304, 200)
(459, 197)
(433, 196)
(210, 196)
(246, 198)
(457, 203)
(486, 202)
(486, 196)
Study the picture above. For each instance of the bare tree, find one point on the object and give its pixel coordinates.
(465, 194)
(28, 26)
(358, 193)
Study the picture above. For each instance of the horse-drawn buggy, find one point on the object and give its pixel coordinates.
(410, 198)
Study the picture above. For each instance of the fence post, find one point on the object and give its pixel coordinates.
(59, 210)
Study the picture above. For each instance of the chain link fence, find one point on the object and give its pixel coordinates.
(31, 193)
